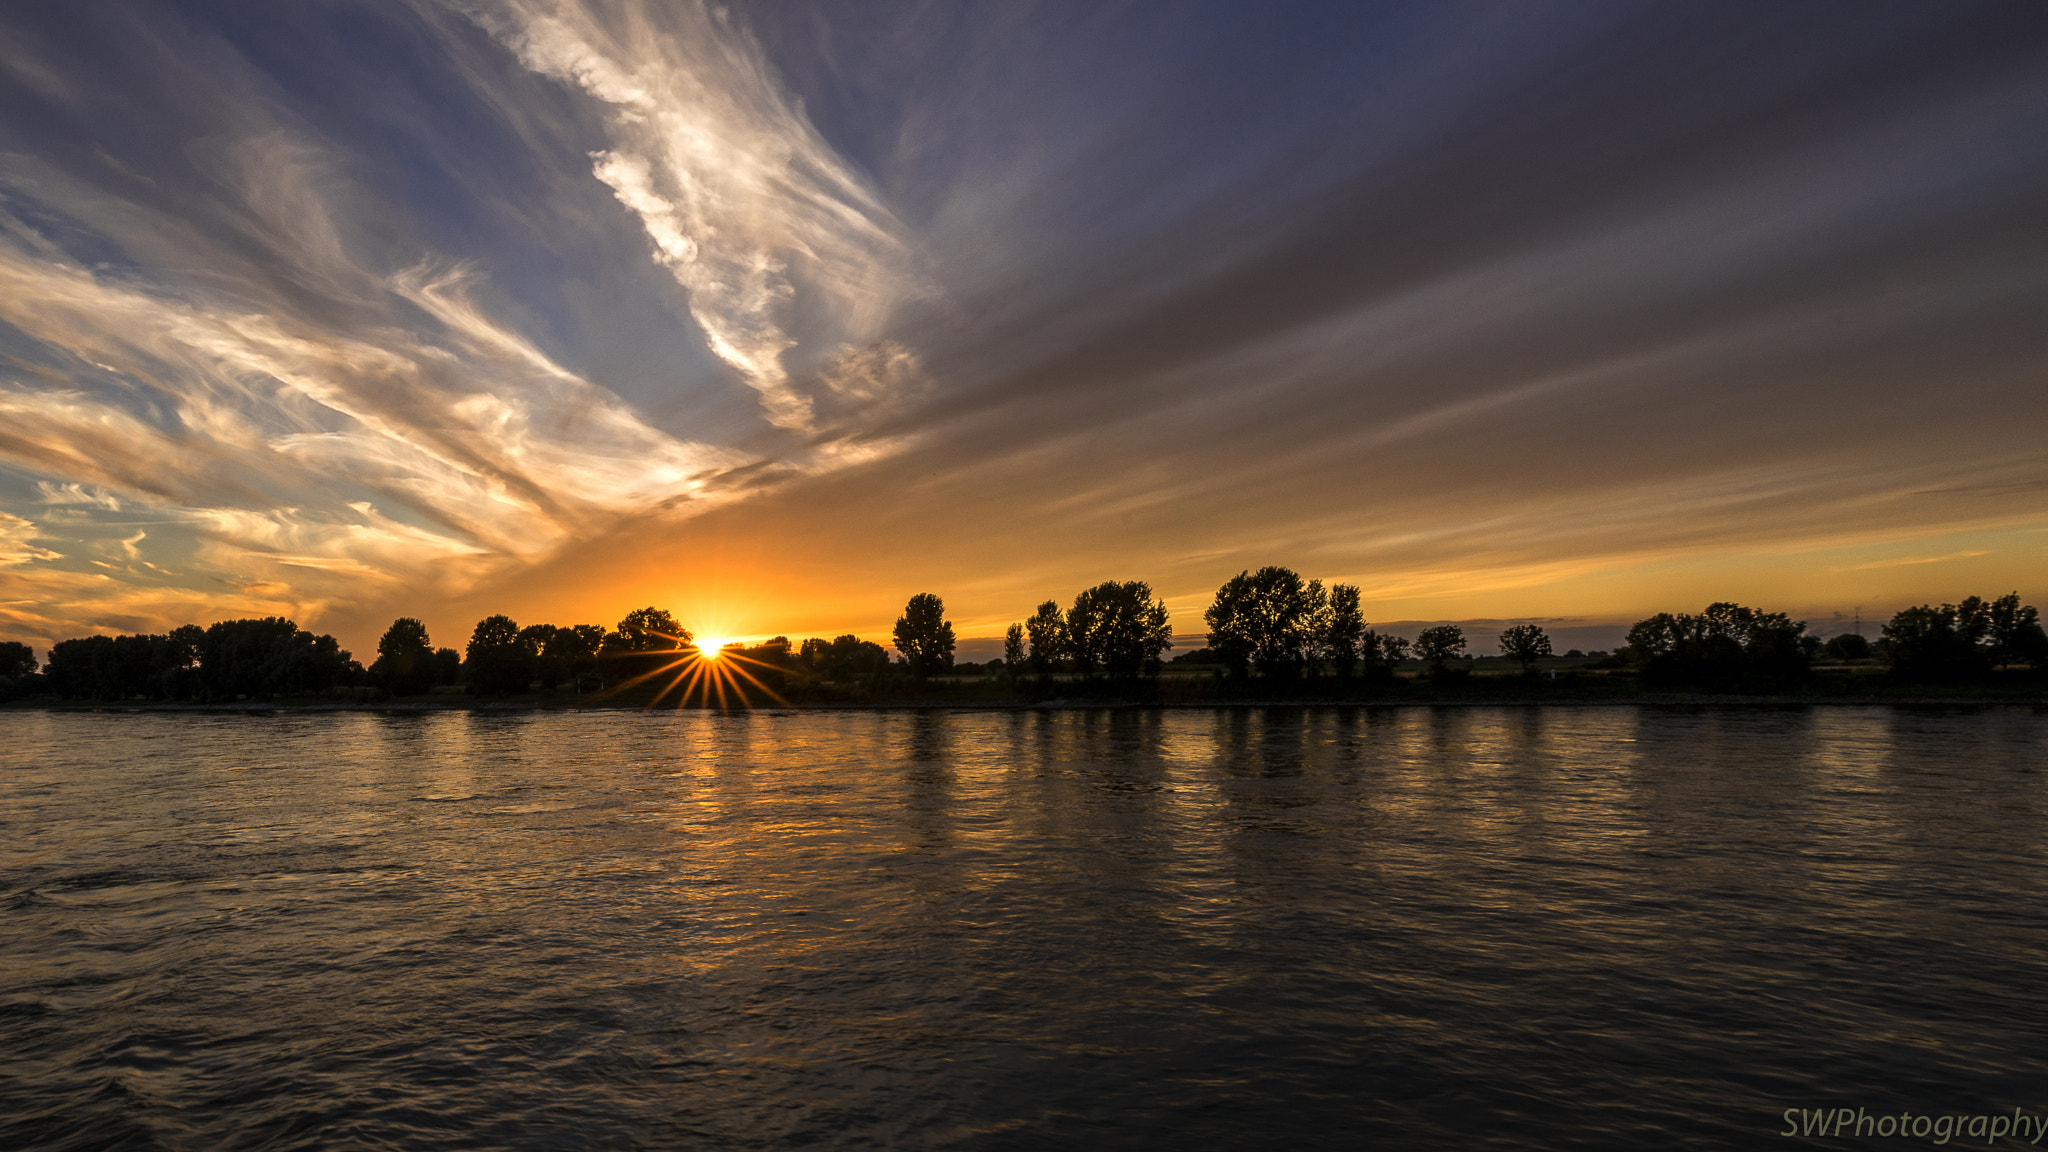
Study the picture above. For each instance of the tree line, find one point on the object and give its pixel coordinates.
(1270, 624)
(222, 661)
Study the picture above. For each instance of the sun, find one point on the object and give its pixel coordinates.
(714, 666)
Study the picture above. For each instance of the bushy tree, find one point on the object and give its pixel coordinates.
(1013, 649)
(252, 658)
(1379, 654)
(16, 660)
(1266, 620)
(1340, 638)
(1525, 644)
(1047, 629)
(500, 657)
(651, 630)
(228, 660)
(546, 670)
(1847, 646)
(1726, 646)
(1439, 645)
(844, 658)
(2015, 632)
(647, 640)
(1963, 641)
(924, 635)
(1118, 630)
(84, 668)
(303, 664)
(574, 650)
(1924, 644)
(405, 658)
(18, 666)
(811, 653)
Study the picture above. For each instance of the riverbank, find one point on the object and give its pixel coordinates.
(1169, 693)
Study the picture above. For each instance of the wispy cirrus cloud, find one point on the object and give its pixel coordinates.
(792, 263)
(241, 363)
(16, 536)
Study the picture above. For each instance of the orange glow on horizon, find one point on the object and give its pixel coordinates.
(705, 676)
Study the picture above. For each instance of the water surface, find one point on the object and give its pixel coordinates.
(1406, 927)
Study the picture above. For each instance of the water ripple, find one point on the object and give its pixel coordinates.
(1420, 928)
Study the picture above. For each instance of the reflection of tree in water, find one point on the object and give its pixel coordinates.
(1117, 750)
(1265, 770)
(928, 773)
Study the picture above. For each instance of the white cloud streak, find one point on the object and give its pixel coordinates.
(394, 431)
(789, 259)
(15, 547)
(478, 431)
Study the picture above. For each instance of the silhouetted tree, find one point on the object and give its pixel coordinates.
(1960, 641)
(1381, 653)
(1439, 645)
(647, 639)
(845, 658)
(1118, 629)
(545, 669)
(499, 658)
(1921, 643)
(447, 664)
(1963, 641)
(2015, 632)
(574, 650)
(156, 667)
(1726, 646)
(16, 659)
(1342, 631)
(303, 664)
(1047, 628)
(1848, 646)
(1013, 649)
(1525, 644)
(240, 658)
(83, 669)
(227, 660)
(652, 630)
(1265, 620)
(18, 676)
(924, 635)
(2030, 644)
(405, 658)
(811, 654)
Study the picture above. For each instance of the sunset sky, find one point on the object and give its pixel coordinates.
(775, 314)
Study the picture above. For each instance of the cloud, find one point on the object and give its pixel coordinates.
(1909, 561)
(788, 256)
(477, 296)
(490, 446)
(75, 493)
(15, 534)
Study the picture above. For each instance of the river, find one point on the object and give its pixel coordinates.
(1558, 927)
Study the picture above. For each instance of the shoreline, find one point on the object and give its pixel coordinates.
(1682, 700)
